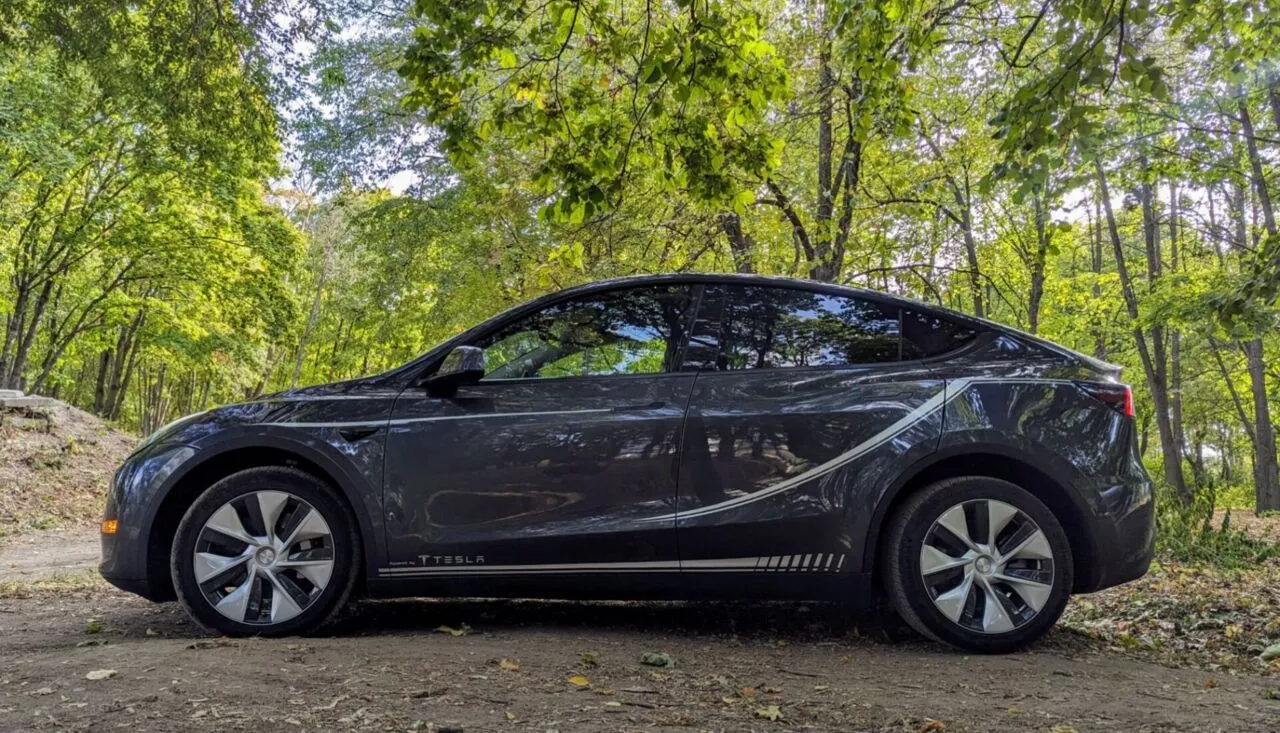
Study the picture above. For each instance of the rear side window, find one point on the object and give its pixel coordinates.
(925, 335)
(754, 327)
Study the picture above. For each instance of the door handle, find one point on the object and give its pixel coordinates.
(655, 405)
(354, 435)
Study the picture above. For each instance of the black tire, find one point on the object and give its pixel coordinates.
(324, 607)
(906, 587)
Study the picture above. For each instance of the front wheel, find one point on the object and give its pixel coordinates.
(977, 563)
(266, 551)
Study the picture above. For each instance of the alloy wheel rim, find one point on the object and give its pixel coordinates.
(987, 566)
(263, 558)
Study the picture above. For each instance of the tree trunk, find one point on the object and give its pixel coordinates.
(740, 244)
(1096, 247)
(1265, 474)
(1170, 459)
(1266, 480)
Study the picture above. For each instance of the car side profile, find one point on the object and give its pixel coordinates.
(661, 437)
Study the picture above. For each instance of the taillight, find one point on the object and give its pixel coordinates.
(1118, 397)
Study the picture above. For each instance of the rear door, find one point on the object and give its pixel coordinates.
(554, 467)
(804, 410)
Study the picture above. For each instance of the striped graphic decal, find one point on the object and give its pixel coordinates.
(820, 562)
(906, 422)
(954, 388)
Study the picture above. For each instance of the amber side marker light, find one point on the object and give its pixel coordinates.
(110, 526)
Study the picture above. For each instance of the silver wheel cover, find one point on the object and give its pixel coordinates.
(263, 558)
(987, 566)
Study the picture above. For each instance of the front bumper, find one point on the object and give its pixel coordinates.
(128, 561)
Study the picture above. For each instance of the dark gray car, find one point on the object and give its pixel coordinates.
(681, 436)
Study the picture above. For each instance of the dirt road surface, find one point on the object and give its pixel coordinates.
(390, 667)
(47, 554)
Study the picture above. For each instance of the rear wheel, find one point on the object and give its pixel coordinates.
(269, 551)
(977, 563)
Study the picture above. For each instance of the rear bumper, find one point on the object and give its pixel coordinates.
(1123, 549)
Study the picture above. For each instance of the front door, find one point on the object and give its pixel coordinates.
(803, 409)
(552, 466)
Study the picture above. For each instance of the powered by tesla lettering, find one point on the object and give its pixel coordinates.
(451, 559)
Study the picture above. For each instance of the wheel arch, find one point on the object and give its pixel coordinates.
(999, 462)
(225, 460)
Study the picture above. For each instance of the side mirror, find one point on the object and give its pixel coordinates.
(462, 366)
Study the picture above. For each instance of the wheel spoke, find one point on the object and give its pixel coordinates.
(227, 522)
(953, 520)
(236, 603)
(995, 619)
(316, 571)
(952, 602)
(999, 515)
(1032, 593)
(270, 504)
(210, 565)
(933, 560)
(311, 526)
(283, 604)
(1034, 546)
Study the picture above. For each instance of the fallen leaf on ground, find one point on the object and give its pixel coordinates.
(1271, 652)
(657, 659)
(101, 674)
(579, 680)
(508, 665)
(768, 712)
(589, 659)
(451, 631)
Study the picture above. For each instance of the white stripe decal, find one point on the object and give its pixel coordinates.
(439, 418)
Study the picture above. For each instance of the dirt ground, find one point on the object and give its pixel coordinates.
(397, 666)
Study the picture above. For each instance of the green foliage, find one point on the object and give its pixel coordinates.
(1190, 535)
(607, 91)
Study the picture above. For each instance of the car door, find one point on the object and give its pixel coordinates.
(555, 464)
(803, 411)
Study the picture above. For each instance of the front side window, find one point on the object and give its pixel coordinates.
(754, 327)
(634, 331)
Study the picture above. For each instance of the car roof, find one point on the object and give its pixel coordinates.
(776, 281)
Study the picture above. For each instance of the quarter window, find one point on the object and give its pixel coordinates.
(635, 331)
(925, 335)
(767, 328)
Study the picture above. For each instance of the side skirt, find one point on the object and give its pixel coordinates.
(852, 588)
